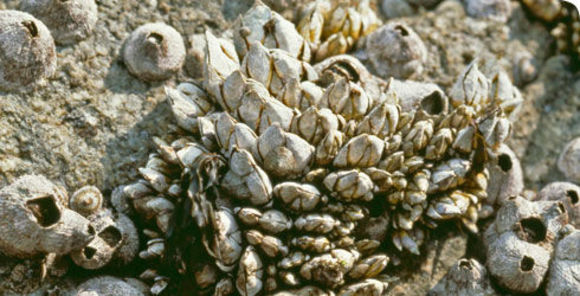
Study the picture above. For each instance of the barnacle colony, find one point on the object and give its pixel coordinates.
(288, 174)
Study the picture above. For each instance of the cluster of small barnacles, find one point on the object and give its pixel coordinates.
(289, 177)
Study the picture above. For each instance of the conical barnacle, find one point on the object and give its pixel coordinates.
(154, 52)
(116, 237)
(565, 267)
(395, 50)
(505, 95)
(505, 176)
(466, 277)
(108, 285)
(68, 21)
(520, 242)
(27, 50)
(569, 160)
(188, 102)
(471, 88)
(568, 194)
(35, 220)
(497, 10)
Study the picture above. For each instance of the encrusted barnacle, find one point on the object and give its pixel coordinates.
(272, 221)
(569, 160)
(497, 10)
(328, 147)
(154, 52)
(314, 124)
(116, 238)
(108, 285)
(520, 242)
(347, 99)
(505, 95)
(317, 223)
(330, 269)
(568, 194)
(395, 50)
(361, 151)
(36, 221)
(565, 266)
(319, 244)
(69, 21)
(505, 176)
(86, 201)
(367, 287)
(270, 245)
(27, 51)
(226, 244)
(466, 277)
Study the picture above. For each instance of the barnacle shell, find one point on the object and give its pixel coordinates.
(154, 52)
(395, 50)
(109, 286)
(569, 160)
(69, 21)
(27, 50)
(568, 194)
(35, 220)
(565, 267)
(505, 176)
(466, 277)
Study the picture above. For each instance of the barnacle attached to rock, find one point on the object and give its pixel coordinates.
(35, 220)
(505, 176)
(466, 277)
(395, 50)
(69, 21)
(520, 242)
(569, 161)
(154, 52)
(564, 277)
(568, 194)
(108, 286)
(27, 51)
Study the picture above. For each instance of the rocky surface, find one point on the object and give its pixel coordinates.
(92, 122)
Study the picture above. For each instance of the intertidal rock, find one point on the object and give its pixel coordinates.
(569, 161)
(110, 286)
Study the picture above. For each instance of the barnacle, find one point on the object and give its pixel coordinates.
(286, 174)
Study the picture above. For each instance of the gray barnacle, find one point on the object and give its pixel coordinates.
(36, 221)
(466, 277)
(154, 52)
(568, 194)
(108, 286)
(569, 160)
(471, 88)
(520, 242)
(564, 277)
(188, 102)
(250, 273)
(505, 176)
(27, 51)
(69, 21)
(395, 50)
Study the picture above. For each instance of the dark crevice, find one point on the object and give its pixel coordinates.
(45, 210)
(89, 252)
(573, 196)
(533, 230)
(433, 103)
(111, 235)
(31, 27)
(505, 162)
(527, 264)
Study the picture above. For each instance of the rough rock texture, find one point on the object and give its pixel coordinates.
(93, 122)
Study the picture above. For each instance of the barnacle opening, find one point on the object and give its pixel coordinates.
(465, 264)
(31, 27)
(533, 230)
(505, 162)
(111, 235)
(561, 208)
(527, 264)
(433, 103)
(573, 196)
(402, 30)
(155, 38)
(91, 230)
(45, 210)
(89, 252)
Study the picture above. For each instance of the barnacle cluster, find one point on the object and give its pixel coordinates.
(288, 177)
